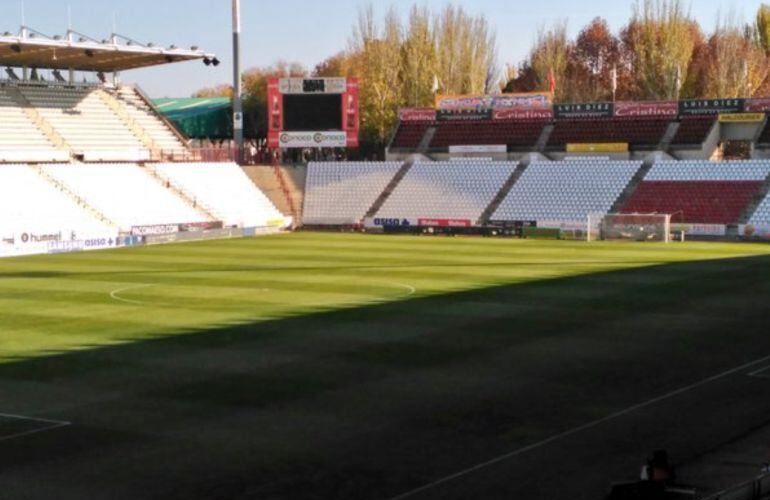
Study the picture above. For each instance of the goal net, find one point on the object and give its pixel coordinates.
(635, 227)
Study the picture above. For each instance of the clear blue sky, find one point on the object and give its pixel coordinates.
(298, 30)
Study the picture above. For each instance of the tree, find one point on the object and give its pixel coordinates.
(592, 60)
(551, 53)
(731, 64)
(223, 90)
(660, 41)
(763, 28)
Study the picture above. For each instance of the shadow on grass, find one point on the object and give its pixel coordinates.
(372, 401)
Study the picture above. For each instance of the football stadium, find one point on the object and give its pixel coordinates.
(358, 283)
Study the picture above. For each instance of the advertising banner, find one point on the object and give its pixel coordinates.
(480, 115)
(701, 229)
(534, 100)
(759, 231)
(759, 105)
(651, 109)
(583, 110)
(711, 106)
(350, 115)
(501, 148)
(380, 222)
(741, 117)
(156, 229)
(274, 112)
(444, 223)
(608, 147)
(313, 139)
(417, 115)
(523, 114)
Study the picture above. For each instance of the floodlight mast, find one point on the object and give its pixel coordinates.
(237, 100)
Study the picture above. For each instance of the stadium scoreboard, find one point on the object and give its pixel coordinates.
(313, 112)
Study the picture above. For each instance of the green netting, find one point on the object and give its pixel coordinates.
(199, 118)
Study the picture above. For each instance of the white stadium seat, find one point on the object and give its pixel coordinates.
(566, 191)
(340, 193)
(126, 194)
(460, 189)
(226, 190)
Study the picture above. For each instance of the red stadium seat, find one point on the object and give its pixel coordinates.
(697, 202)
(635, 132)
(693, 130)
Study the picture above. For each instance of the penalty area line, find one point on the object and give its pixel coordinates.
(576, 430)
(49, 425)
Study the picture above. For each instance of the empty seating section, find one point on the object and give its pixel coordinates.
(693, 130)
(138, 109)
(635, 132)
(409, 134)
(81, 117)
(126, 194)
(31, 204)
(340, 193)
(699, 192)
(452, 190)
(20, 138)
(225, 189)
(566, 191)
(522, 134)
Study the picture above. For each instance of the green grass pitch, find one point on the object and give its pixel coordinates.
(310, 366)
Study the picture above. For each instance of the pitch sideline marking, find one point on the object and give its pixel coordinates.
(575, 430)
(409, 288)
(763, 372)
(115, 294)
(50, 425)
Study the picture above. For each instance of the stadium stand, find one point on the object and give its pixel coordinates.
(451, 190)
(699, 192)
(126, 194)
(409, 134)
(225, 190)
(340, 193)
(20, 137)
(635, 132)
(764, 136)
(84, 120)
(29, 203)
(693, 130)
(145, 116)
(520, 134)
(566, 191)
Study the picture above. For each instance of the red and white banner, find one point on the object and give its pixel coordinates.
(417, 115)
(274, 112)
(534, 100)
(523, 114)
(651, 109)
(445, 222)
(760, 105)
(350, 116)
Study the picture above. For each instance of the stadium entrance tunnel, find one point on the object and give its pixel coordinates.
(510, 390)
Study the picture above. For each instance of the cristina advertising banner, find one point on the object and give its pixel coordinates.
(651, 109)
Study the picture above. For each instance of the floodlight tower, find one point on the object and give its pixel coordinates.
(237, 90)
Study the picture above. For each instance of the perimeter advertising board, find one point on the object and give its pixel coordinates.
(649, 109)
(711, 106)
(583, 110)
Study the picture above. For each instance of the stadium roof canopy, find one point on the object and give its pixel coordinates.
(80, 52)
(199, 118)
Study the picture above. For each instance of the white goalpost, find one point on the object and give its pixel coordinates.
(633, 227)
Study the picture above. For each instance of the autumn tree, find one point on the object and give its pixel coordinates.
(660, 41)
(550, 53)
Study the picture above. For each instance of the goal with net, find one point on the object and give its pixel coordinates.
(634, 227)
